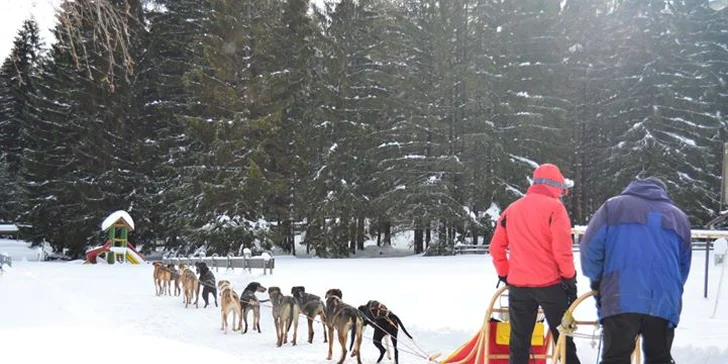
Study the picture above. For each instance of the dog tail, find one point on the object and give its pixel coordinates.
(353, 330)
(401, 325)
(292, 312)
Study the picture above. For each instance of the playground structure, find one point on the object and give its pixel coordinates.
(117, 248)
(490, 344)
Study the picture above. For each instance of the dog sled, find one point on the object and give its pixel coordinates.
(490, 344)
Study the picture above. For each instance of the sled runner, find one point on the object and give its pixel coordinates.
(490, 344)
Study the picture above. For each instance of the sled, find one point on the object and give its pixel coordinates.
(569, 325)
(490, 344)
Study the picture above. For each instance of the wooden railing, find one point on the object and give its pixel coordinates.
(460, 249)
(229, 262)
(5, 260)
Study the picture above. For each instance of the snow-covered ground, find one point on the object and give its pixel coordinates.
(20, 250)
(58, 310)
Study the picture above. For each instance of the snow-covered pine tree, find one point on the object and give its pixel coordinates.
(82, 163)
(170, 51)
(16, 85)
(661, 122)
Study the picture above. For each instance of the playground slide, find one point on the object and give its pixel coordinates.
(132, 255)
(93, 253)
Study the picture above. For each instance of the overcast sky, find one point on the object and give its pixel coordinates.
(14, 12)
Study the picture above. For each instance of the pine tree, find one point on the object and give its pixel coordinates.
(16, 84)
(171, 50)
(661, 122)
(82, 166)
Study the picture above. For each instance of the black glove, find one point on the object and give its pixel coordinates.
(503, 279)
(594, 285)
(569, 285)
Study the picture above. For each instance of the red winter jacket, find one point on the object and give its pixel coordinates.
(537, 230)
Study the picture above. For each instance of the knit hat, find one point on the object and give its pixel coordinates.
(656, 181)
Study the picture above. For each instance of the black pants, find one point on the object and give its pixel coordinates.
(523, 306)
(620, 332)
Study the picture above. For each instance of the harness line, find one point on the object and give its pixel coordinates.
(422, 355)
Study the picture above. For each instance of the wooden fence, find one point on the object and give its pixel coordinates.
(5, 260)
(483, 249)
(229, 262)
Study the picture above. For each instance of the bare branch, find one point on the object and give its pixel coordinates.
(110, 37)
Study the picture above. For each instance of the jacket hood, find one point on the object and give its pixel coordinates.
(547, 190)
(647, 189)
(548, 180)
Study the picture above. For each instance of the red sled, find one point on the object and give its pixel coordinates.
(490, 344)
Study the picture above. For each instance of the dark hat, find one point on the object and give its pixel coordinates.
(656, 181)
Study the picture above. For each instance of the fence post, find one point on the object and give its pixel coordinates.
(229, 264)
(707, 263)
(246, 260)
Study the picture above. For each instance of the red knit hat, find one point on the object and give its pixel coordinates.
(549, 174)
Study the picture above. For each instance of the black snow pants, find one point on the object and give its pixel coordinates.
(620, 332)
(523, 303)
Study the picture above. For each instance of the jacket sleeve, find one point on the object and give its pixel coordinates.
(562, 242)
(686, 250)
(593, 243)
(498, 246)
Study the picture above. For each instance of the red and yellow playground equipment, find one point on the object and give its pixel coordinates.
(490, 344)
(116, 249)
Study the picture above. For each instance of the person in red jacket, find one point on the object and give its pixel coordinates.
(540, 269)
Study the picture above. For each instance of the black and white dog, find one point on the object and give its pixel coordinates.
(384, 322)
(207, 281)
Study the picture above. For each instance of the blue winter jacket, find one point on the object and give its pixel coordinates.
(637, 249)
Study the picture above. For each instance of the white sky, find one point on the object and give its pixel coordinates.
(14, 12)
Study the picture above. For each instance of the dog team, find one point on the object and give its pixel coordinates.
(335, 315)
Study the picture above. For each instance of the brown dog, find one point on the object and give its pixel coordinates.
(156, 277)
(229, 302)
(182, 267)
(190, 287)
(311, 306)
(342, 318)
(176, 278)
(285, 311)
(160, 275)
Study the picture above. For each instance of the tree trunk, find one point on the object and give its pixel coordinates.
(352, 235)
(291, 235)
(379, 233)
(360, 233)
(419, 244)
(388, 233)
(428, 235)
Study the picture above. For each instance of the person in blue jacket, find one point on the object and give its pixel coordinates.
(636, 252)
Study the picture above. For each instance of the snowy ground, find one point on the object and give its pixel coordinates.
(58, 310)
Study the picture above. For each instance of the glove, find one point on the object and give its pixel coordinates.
(503, 279)
(594, 285)
(569, 285)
